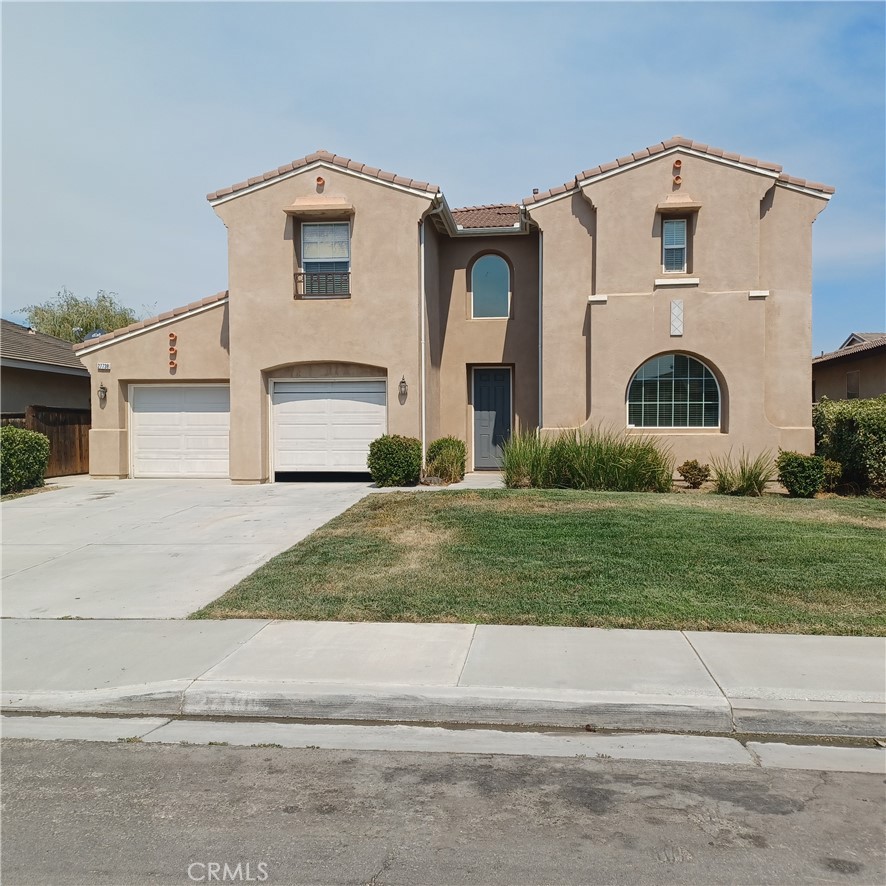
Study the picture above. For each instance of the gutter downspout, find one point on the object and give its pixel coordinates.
(423, 298)
(540, 336)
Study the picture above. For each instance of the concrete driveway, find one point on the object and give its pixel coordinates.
(150, 548)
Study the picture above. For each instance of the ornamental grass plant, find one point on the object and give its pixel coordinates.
(596, 459)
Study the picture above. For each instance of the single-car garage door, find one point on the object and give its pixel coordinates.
(327, 425)
(180, 430)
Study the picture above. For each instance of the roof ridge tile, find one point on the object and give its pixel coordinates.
(337, 160)
(153, 321)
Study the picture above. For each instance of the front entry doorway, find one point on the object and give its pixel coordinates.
(492, 416)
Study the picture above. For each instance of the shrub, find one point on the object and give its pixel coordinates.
(446, 459)
(801, 475)
(833, 473)
(24, 456)
(394, 460)
(746, 477)
(594, 459)
(853, 432)
(694, 473)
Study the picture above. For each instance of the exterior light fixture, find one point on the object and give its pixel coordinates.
(102, 393)
(403, 387)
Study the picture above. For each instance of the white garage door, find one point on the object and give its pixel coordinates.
(323, 425)
(180, 431)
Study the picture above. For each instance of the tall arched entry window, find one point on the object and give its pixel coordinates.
(490, 288)
(674, 391)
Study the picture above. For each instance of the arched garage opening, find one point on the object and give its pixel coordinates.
(323, 417)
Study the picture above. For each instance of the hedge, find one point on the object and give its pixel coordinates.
(24, 456)
(853, 432)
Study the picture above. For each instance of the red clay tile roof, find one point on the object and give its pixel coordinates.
(20, 343)
(852, 350)
(499, 215)
(679, 142)
(335, 160)
(153, 321)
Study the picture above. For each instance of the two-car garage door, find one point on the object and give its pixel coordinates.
(318, 425)
(326, 424)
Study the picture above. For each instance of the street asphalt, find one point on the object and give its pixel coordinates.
(137, 813)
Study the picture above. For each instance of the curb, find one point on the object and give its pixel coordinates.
(455, 705)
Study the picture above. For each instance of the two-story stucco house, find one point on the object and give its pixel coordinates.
(666, 293)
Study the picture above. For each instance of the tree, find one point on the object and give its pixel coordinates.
(72, 318)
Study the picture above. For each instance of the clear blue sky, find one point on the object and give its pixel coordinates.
(118, 118)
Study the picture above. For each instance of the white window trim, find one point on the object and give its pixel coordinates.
(676, 429)
(684, 247)
(308, 224)
(510, 288)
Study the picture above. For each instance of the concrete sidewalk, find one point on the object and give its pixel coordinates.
(449, 673)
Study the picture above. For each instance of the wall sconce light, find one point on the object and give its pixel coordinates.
(102, 393)
(403, 388)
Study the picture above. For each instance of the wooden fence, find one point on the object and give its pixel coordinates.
(68, 432)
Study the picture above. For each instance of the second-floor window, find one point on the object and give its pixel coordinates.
(490, 288)
(325, 258)
(673, 245)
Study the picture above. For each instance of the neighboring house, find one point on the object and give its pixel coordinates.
(857, 369)
(39, 370)
(667, 293)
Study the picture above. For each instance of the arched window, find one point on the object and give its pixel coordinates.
(490, 287)
(674, 391)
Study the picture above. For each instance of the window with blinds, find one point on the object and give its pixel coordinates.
(325, 258)
(674, 391)
(673, 238)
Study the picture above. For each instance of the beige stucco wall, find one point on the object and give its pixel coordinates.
(464, 342)
(747, 236)
(378, 325)
(830, 377)
(22, 388)
(202, 344)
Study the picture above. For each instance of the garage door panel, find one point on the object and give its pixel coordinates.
(180, 431)
(327, 425)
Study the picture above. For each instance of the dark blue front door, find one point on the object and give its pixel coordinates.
(492, 416)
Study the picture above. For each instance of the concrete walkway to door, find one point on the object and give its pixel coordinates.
(150, 548)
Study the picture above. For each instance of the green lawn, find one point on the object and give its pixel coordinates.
(560, 557)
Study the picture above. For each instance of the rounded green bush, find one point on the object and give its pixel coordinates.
(24, 456)
(394, 460)
(801, 475)
(446, 459)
